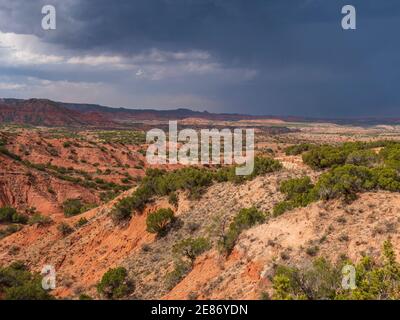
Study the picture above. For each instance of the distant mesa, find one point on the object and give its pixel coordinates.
(43, 112)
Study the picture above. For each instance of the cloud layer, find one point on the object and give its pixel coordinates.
(259, 56)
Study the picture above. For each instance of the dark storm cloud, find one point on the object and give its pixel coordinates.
(306, 64)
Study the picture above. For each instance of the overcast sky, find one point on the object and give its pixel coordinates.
(282, 57)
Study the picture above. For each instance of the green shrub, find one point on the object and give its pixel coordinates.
(173, 199)
(367, 158)
(325, 157)
(191, 248)
(158, 221)
(40, 220)
(391, 155)
(298, 149)
(126, 180)
(10, 215)
(17, 283)
(245, 219)
(31, 290)
(299, 193)
(137, 201)
(115, 284)
(291, 188)
(99, 181)
(81, 222)
(65, 229)
(345, 182)
(264, 296)
(193, 180)
(312, 251)
(356, 153)
(227, 174)
(321, 281)
(387, 179)
(107, 196)
(263, 166)
(282, 207)
(122, 211)
(72, 207)
(339, 182)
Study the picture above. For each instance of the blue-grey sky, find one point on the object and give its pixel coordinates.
(282, 57)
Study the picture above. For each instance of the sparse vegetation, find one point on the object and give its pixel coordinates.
(344, 170)
(76, 176)
(343, 180)
(181, 269)
(194, 180)
(356, 153)
(375, 280)
(125, 137)
(245, 219)
(107, 196)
